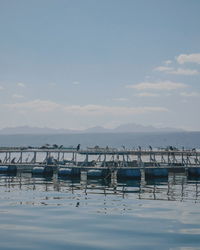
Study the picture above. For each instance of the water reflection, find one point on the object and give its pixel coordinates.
(177, 187)
(63, 213)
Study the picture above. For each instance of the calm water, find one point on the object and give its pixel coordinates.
(129, 140)
(51, 213)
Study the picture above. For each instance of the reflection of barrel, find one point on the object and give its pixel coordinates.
(156, 172)
(129, 173)
(193, 171)
(8, 169)
(42, 170)
(128, 182)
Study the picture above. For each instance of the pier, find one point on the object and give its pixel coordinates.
(100, 162)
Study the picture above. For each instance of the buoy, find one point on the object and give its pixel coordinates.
(3, 169)
(193, 171)
(12, 169)
(94, 173)
(8, 169)
(156, 172)
(42, 170)
(76, 171)
(65, 171)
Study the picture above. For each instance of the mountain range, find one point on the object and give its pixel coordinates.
(124, 128)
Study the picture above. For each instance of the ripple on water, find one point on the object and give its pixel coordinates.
(39, 213)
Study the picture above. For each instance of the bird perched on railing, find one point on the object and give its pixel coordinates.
(78, 147)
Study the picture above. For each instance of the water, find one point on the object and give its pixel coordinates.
(129, 140)
(52, 213)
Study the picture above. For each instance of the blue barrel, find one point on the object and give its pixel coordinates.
(8, 169)
(42, 170)
(65, 171)
(76, 172)
(69, 171)
(156, 173)
(12, 169)
(3, 169)
(95, 173)
(193, 171)
(129, 173)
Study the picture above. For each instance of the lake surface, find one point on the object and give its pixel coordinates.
(129, 140)
(52, 213)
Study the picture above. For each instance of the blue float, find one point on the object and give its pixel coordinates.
(95, 173)
(12, 169)
(156, 172)
(42, 170)
(76, 172)
(8, 169)
(65, 171)
(193, 171)
(129, 173)
(3, 169)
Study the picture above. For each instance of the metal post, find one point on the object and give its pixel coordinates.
(20, 158)
(58, 158)
(35, 157)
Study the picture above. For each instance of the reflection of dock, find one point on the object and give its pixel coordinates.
(101, 161)
(176, 188)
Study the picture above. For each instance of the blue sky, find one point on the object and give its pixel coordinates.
(78, 64)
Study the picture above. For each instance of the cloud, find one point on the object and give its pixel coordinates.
(120, 99)
(1, 88)
(188, 58)
(86, 110)
(35, 105)
(76, 82)
(162, 85)
(163, 68)
(17, 96)
(20, 84)
(191, 94)
(116, 111)
(181, 71)
(147, 94)
(167, 62)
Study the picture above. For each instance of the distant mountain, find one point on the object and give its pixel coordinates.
(97, 129)
(133, 128)
(33, 130)
(124, 128)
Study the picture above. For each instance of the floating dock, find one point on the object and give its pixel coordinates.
(100, 162)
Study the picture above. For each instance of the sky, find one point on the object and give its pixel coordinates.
(76, 64)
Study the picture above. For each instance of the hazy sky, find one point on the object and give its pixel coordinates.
(82, 63)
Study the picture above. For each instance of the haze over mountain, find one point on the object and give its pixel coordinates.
(124, 128)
